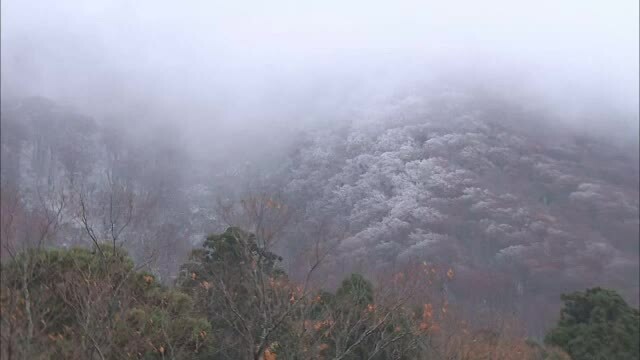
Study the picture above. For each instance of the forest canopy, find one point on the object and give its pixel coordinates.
(232, 301)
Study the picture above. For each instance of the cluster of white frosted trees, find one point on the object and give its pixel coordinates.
(475, 193)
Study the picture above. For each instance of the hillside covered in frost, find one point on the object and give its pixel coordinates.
(520, 208)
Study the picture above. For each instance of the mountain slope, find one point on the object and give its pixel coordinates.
(522, 210)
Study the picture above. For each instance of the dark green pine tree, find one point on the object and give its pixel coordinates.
(596, 325)
(230, 279)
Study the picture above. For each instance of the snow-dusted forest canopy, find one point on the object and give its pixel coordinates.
(521, 213)
(484, 155)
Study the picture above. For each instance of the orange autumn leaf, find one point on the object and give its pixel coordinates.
(268, 355)
(450, 274)
(318, 325)
(427, 312)
(308, 324)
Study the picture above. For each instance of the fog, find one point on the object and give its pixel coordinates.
(206, 64)
(497, 138)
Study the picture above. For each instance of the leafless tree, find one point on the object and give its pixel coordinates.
(25, 230)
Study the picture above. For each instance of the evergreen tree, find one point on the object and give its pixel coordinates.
(597, 324)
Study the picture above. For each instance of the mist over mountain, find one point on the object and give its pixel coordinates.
(521, 212)
(497, 141)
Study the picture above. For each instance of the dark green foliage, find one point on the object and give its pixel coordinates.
(232, 301)
(229, 254)
(86, 304)
(355, 291)
(323, 300)
(597, 324)
(232, 279)
(353, 308)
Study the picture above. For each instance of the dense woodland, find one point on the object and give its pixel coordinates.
(426, 229)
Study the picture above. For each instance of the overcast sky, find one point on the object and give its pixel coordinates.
(220, 58)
